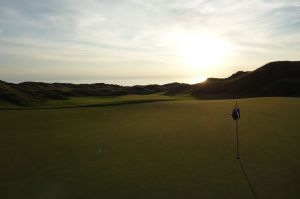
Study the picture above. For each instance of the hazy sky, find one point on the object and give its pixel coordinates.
(99, 40)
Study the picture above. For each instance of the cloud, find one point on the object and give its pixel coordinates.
(126, 33)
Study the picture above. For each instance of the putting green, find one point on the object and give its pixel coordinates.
(174, 149)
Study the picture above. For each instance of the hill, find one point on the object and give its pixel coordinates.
(280, 78)
(273, 79)
(38, 93)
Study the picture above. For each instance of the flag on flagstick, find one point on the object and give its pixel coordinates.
(236, 114)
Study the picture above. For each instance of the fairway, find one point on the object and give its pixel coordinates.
(158, 150)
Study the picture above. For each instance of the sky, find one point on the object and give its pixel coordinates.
(140, 42)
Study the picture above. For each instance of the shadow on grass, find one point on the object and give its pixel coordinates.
(247, 179)
(92, 105)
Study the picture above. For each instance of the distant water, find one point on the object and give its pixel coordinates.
(145, 81)
(131, 81)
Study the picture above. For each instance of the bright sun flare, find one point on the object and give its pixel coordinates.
(201, 52)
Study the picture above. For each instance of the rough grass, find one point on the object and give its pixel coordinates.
(176, 149)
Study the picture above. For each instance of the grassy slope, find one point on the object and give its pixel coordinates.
(78, 101)
(182, 149)
(100, 101)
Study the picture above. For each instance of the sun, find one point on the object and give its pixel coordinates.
(202, 52)
(197, 80)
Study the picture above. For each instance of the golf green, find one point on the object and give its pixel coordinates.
(171, 149)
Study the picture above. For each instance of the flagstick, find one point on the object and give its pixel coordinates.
(237, 140)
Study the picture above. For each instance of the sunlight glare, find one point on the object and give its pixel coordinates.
(202, 52)
(197, 80)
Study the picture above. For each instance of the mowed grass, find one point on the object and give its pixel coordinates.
(108, 100)
(174, 149)
(91, 101)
